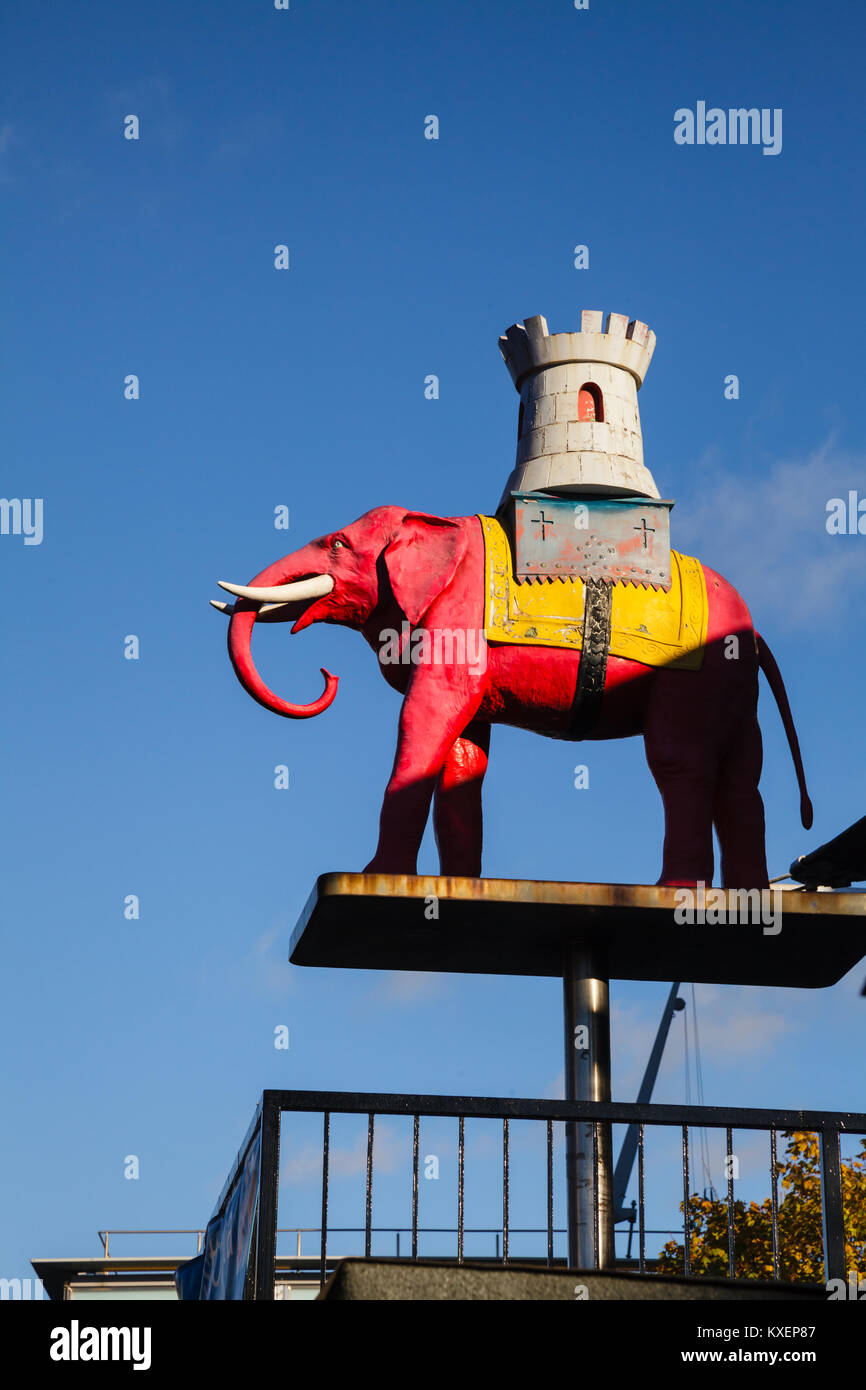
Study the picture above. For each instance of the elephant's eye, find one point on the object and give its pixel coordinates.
(338, 545)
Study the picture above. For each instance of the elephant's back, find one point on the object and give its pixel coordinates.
(727, 611)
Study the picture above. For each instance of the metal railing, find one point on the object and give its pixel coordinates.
(828, 1126)
(105, 1236)
(397, 1231)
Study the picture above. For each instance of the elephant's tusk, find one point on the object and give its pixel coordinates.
(229, 608)
(315, 587)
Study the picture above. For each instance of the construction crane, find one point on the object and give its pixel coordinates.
(625, 1163)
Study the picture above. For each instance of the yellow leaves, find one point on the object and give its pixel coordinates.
(801, 1256)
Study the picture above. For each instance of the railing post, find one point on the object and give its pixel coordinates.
(323, 1230)
(589, 1167)
(269, 1176)
(250, 1280)
(832, 1213)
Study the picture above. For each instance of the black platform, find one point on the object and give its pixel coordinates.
(495, 926)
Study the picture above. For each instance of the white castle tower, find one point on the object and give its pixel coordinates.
(579, 428)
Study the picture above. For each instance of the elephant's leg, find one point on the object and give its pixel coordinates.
(457, 803)
(687, 795)
(738, 810)
(436, 710)
(683, 759)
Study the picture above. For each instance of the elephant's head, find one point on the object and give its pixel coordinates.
(387, 558)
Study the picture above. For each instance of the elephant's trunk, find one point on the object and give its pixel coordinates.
(240, 638)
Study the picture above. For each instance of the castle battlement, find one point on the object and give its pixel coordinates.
(578, 430)
(626, 343)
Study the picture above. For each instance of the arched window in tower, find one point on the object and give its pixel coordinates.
(589, 403)
(520, 421)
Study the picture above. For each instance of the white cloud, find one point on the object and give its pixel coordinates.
(768, 535)
(555, 1089)
(392, 1153)
(734, 1023)
(262, 969)
(152, 100)
(409, 986)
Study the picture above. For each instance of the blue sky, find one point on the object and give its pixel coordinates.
(306, 388)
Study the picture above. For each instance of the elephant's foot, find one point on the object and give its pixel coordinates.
(391, 864)
(461, 867)
(755, 881)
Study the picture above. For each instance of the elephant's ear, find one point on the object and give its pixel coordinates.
(422, 559)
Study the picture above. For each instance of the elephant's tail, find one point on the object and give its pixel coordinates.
(767, 662)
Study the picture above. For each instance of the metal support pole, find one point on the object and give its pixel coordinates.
(589, 1166)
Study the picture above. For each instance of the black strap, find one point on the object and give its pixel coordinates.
(598, 598)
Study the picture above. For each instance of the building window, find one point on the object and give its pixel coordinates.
(589, 403)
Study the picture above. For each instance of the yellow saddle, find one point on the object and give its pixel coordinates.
(653, 626)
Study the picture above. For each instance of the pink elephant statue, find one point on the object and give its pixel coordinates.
(398, 575)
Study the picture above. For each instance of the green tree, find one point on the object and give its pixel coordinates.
(801, 1251)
